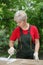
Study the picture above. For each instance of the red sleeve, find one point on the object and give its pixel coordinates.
(36, 33)
(14, 35)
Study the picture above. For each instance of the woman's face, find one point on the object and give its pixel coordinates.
(20, 23)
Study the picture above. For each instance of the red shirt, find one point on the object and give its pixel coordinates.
(33, 31)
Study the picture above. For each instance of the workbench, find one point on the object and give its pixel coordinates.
(21, 62)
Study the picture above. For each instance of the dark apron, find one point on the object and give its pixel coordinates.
(25, 47)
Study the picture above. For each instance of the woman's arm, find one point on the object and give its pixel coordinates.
(11, 43)
(37, 45)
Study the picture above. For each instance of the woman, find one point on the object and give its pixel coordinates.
(28, 38)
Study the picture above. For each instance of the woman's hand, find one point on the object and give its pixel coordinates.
(36, 56)
(11, 50)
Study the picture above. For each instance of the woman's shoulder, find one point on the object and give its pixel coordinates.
(33, 27)
(16, 28)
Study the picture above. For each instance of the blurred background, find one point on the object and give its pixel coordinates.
(34, 10)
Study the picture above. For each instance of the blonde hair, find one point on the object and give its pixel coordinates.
(20, 16)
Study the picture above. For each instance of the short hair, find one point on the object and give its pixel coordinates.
(20, 16)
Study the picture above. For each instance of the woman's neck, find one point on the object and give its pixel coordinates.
(26, 26)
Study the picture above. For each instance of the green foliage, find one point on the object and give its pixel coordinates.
(3, 40)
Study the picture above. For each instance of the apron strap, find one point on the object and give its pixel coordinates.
(29, 29)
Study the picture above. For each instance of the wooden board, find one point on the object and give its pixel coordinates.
(22, 62)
